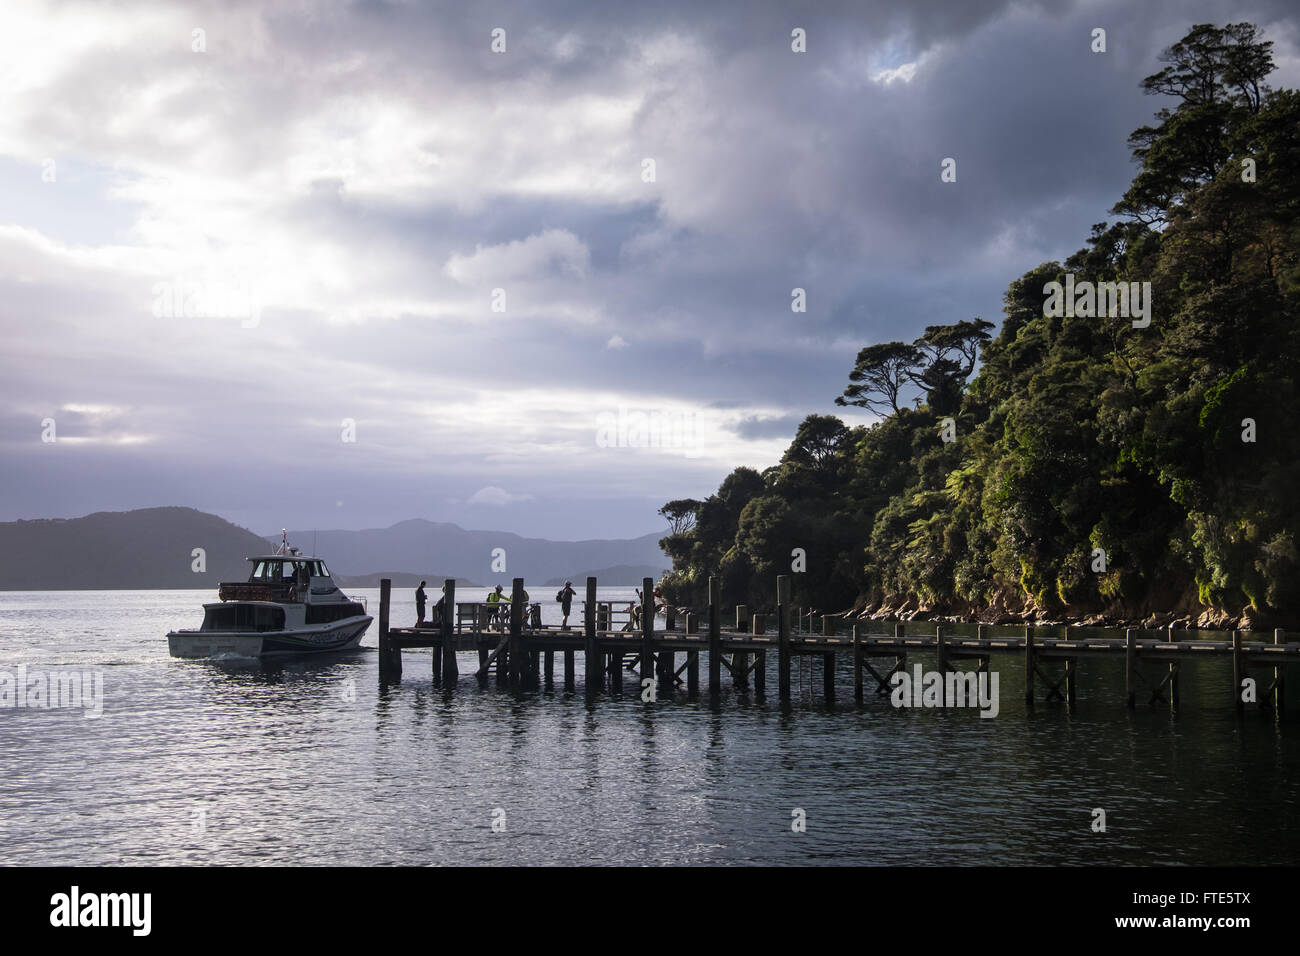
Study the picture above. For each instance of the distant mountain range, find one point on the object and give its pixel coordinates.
(399, 579)
(621, 575)
(155, 548)
(149, 548)
(478, 555)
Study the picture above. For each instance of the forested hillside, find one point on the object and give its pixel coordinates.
(1096, 470)
(147, 548)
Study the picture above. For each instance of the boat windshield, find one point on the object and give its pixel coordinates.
(276, 572)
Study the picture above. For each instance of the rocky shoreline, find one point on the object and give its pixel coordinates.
(1186, 615)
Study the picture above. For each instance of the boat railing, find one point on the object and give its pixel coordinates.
(245, 591)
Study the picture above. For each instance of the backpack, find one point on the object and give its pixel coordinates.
(559, 596)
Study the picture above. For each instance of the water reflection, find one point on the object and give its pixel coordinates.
(290, 770)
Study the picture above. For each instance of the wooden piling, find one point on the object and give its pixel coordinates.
(758, 624)
(760, 672)
(568, 670)
(548, 667)
(386, 668)
(518, 666)
(828, 676)
(1279, 677)
(1130, 668)
(740, 659)
(783, 636)
(593, 660)
(692, 623)
(693, 673)
(450, 669)
(1238, 672)
(647, 628)
(715, 638)
(1174, 668)
(1030, 664)
(857, 663)
(670, 617)
(667, 667)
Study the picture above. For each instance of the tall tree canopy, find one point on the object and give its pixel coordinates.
(1097, 468)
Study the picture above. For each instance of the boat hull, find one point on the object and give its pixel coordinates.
(336, 636)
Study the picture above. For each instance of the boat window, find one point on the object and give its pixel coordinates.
(259, 571)
(324, 571)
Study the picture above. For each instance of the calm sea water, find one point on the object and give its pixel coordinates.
(313, 762)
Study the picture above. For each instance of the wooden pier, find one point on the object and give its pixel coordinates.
(514, 646)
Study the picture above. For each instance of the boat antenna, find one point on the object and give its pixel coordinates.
(284, 541)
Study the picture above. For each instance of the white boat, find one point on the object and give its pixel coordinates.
(289, 605)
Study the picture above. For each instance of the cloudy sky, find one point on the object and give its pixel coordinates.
(326, 264)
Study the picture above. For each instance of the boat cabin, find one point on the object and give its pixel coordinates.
(281, 570)
(285, 579)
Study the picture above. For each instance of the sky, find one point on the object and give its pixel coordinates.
(340, 264)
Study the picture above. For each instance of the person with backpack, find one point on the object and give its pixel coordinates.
(565, 597)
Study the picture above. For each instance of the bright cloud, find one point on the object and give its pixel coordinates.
(492, 495)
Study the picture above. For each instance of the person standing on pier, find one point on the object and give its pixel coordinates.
(565, 597)
(494, 601)
(419, 604)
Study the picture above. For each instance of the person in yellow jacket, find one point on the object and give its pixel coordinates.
(495, 600)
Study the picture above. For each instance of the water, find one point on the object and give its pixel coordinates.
(229, 763)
